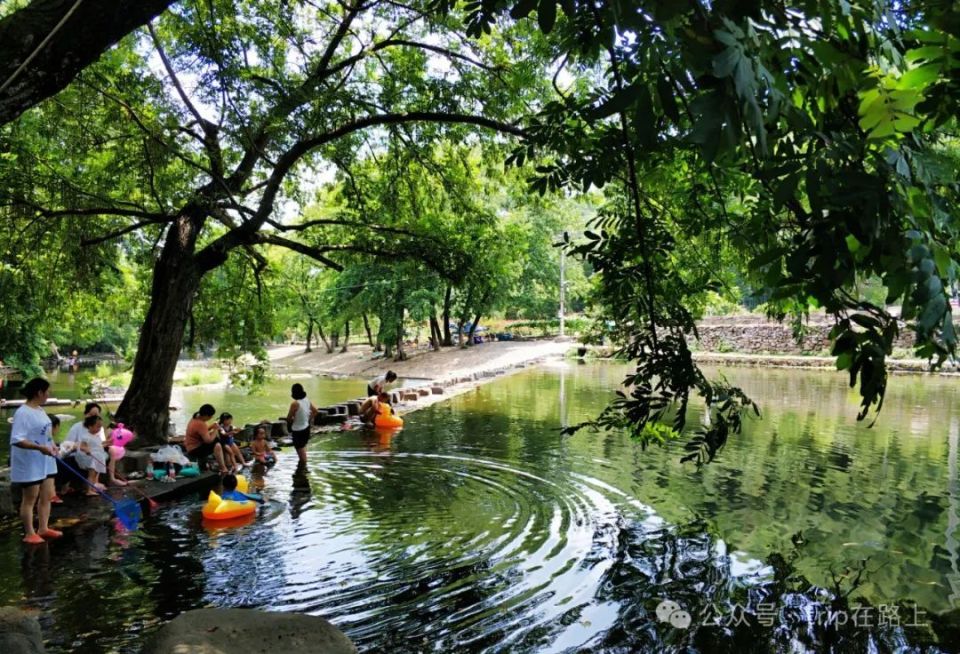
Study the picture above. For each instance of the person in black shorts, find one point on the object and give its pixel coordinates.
(299, 418)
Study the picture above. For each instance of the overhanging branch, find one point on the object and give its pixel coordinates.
(247, 232)
(304, 249)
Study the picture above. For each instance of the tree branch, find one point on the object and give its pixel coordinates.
(344, 223)
(80, 38)
(304, 249)
(387, 43)
(245, 233)
(120, 232)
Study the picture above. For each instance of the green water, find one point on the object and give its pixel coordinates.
(479, 527)
(270, 402)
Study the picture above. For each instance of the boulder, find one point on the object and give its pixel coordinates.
(436, 390)
(19, 632)
(247, 631)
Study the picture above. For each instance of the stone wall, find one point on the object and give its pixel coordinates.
(750, 335)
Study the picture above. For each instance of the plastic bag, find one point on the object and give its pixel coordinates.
(170, 454)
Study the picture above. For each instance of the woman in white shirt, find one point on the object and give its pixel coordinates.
(33, 463)
(299, 418)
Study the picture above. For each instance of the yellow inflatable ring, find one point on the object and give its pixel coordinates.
(218, 508)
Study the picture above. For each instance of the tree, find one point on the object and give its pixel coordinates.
(45, 44)
(220, 148)
(824, 119)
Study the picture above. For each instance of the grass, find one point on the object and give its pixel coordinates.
(107, 375)
(202, 377)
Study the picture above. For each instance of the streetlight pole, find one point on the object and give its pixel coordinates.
(563, 283)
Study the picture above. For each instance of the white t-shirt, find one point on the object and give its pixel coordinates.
(76, 434)
(301, 419)
(30, 424)
(380, 380)
(96, 458)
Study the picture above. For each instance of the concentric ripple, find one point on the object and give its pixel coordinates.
(453, 550)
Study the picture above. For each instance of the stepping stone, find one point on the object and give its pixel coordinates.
(436, 390)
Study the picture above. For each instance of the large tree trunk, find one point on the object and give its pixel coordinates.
(447, 338)
(366, 325)
(346, 336)
(309, 334)
(91, 28)
(176, 279)
(334, 341)
(435, 337)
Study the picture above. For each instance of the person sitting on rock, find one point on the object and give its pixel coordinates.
(90, 453)
(66, 481)
(202, 440)
(227, 435)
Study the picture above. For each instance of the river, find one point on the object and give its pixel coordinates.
(480, 527)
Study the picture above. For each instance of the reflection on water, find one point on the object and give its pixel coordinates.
(479, 527)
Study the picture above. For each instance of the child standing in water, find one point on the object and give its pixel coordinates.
(260, 448)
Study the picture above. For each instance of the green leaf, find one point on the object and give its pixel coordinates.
(919, 78)
(547, 15)
(942, 257)
(865, 321)
(667, 99)
(786, 190)
(724, 63)
(926, 53)
(522, 9)
(845, 360)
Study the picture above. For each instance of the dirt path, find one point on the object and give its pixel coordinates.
(447, 364)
